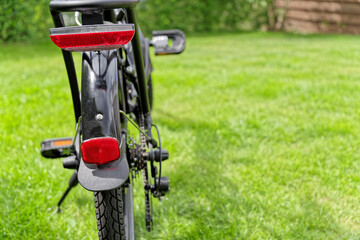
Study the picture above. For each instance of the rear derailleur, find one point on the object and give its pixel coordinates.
(139, 157)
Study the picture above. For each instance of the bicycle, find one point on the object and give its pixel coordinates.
(116, 90)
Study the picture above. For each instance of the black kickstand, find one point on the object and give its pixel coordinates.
(72, 183)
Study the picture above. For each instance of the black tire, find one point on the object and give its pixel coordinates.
(109, 209)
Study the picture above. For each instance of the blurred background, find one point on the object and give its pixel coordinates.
(30, 19)
(260, 114)
(23, 19)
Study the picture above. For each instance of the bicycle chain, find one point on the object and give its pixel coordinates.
(148, 217)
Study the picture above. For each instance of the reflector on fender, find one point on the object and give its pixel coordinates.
(100, 150)
(92, 37)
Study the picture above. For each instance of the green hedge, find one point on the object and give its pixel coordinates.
(202, 15)
(22, 19)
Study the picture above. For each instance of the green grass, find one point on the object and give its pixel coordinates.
(263, 132)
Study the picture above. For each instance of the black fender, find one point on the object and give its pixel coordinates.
(100, 118)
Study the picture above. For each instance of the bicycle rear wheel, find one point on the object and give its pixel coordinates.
(114, 214)
(109, 209)
(100, 118)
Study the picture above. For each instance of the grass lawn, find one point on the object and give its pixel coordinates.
(263, 132)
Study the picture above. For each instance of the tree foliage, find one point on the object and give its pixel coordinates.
(21, 19)
(203, 16)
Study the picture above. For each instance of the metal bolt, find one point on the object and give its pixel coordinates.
(129, 69)
(99, 117)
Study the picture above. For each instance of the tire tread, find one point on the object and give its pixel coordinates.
(109, 211)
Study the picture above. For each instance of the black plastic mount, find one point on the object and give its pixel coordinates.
(83, 5)
(163, 188)
(155, 155)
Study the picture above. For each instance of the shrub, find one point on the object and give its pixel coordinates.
(20, 19)
(23, 19)
(202, 16)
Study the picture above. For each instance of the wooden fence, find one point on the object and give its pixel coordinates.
(326, 16)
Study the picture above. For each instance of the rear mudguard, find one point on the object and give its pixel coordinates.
(100, 118)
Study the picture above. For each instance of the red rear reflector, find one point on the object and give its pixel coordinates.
(92, 37)
(93, 41)
(100, 150)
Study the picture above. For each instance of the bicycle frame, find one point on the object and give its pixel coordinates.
(140, 70)
(101, 152)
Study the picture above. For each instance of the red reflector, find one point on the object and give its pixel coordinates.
(100, 150)
(93, 41)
